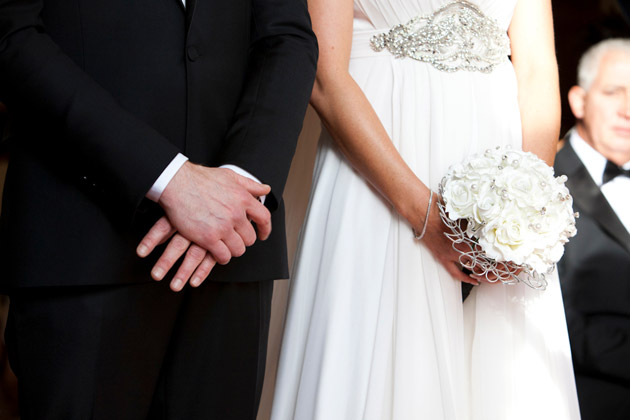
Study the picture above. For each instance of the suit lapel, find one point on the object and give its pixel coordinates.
(187, 9)
(588, 197)
(190, 10)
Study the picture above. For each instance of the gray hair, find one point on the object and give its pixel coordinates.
(589, 63)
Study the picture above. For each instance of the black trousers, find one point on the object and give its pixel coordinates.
(602, 399)
(140, 351)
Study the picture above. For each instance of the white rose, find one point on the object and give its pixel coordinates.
(538, 261)
(508, 240)
(488, 205)
(459, 199)
(521, 186)
(555, 253)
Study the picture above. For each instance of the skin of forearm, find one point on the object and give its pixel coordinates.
(534, 60)
(357, 130)
(539, 102)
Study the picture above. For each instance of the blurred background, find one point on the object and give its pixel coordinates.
(578, 24)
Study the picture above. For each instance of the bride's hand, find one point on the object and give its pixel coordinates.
(441, 247)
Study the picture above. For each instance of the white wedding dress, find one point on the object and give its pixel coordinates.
(376, 328)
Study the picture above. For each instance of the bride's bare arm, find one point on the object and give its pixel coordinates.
(534, 59)
(355, 127)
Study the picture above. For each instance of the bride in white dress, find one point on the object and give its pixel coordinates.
(375, 327)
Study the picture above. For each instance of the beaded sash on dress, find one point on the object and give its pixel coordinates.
(458, 36)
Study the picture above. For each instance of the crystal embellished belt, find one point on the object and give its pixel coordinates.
(458, 36)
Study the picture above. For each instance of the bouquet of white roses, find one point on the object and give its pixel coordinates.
(509, 216)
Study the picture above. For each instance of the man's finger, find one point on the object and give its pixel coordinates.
(193, 258)
(175, 249)
(254, 188)
(257, 212)
(220, 252)
(203, 271)
(247, 233)
(235, 243)
(159, 232)
(260, 215)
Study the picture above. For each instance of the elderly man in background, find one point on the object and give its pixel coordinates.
(595, 270)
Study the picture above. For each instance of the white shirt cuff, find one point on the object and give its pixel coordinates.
(160, 184)
(246, 174)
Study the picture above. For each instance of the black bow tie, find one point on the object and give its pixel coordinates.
(612, 171)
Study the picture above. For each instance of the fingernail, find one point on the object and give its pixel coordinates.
(177, 284)
(196, 281)
(157, 273)
(143, 250)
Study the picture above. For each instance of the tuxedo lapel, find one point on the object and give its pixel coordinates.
(588, 197)
(190, 10)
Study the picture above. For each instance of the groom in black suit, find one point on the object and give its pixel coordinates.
(595, 269)
(110, 103)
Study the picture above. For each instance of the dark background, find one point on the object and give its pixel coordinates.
(578, 25)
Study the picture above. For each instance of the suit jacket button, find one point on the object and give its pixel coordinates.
(193, 53)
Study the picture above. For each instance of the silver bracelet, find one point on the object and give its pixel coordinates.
(426, 220)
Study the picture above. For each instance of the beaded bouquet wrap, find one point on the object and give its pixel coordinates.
(508, 215)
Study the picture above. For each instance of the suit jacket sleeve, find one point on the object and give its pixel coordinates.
(595, 297)
(600, 344)
(280, 77)
(39, 80)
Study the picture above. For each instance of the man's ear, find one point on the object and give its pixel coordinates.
(577, 99)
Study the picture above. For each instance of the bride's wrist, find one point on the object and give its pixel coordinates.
(419, 234)
(416, 208)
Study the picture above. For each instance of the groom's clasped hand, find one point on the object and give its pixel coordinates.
(209, 219)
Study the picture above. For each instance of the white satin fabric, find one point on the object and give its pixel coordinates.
(375, 328)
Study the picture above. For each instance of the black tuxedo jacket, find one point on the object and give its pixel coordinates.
(595, 277)
(104, 94)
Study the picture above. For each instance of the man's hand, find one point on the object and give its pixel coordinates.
(212, 208)
(197, 263)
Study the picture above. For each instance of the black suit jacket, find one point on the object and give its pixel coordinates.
(104, 94)
(595, 277)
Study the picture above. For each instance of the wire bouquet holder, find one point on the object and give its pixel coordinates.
(507, 216)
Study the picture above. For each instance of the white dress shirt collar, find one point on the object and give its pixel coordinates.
(616, 190)
(594, 161)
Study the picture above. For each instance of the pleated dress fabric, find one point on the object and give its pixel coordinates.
(375, 327)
